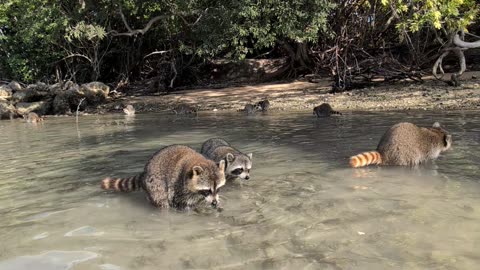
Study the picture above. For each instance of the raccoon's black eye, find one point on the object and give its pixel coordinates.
(237, 171)
(205, 192)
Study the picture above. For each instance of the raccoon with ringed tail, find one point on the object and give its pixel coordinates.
(324, 110)
(237, 164)
(175, 176)
(406, 144)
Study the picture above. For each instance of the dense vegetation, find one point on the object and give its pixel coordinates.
(128, 40)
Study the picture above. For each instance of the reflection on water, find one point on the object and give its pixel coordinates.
(302, 209)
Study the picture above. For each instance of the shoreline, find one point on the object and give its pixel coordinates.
(304, 96)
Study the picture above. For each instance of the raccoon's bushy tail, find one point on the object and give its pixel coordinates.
(336, 112)
(365, 158)
(122, 184)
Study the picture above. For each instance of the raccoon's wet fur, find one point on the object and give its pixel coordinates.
(32, 117)
(237, 164)
(176, 176)
(406, 144)
(184, 109)
(263, 105)
(324, 110)
(249, 109)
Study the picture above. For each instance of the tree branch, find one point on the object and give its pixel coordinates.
(135, 32)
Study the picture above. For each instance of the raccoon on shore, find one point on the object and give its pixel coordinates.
(237, 164)
(129, 110)
(263, 105)
(324, 110)
(406, 144)
(32, 117)
(175, 176)
(184, 109)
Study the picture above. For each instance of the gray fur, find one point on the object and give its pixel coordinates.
(263, 105)
(184, 109)
(409, 145)
(177, 176)
(324, 110)
(218, 149)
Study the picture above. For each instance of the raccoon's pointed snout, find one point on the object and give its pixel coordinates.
(214, 203)
(247, 177)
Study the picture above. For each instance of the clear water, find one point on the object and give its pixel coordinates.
(302, 209)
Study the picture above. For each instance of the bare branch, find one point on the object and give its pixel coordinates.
(77, 55)
(175, 74)
(468, 45)
(156, 52)
(135, 32)
(438, 64)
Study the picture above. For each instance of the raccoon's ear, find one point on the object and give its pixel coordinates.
(436, 125)
(250, 156)
(230, 157)
(221, 165)
(447, 139)
(197, 170)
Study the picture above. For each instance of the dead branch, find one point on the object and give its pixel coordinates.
(135, 32)
(175, 74)
(467, 45)
(156, 52)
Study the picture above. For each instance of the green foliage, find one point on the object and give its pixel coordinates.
(449, 15)
(30, 30)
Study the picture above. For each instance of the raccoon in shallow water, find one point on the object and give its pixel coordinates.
(263, 105)
(175, 176)
(324, 110)
(406, 144)
(129, 110)
(237, 163)
(32, 117)
(184, 109)
(249, 109)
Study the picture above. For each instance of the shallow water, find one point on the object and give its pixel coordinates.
(302, 209)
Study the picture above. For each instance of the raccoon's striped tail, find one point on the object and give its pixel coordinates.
(122, 184)
(336, 112)
(365, 159)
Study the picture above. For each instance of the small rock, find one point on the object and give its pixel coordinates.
(40, 107)
(474, 77)
(95, 92)
(15, 86)
(19, 96)
(361, 233)
(5, 92)
(7, 111)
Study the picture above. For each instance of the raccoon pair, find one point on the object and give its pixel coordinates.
(177, 176)
(406, 144)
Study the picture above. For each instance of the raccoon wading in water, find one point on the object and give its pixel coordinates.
(184, 109)
(324, 110)
(249, 109)
(237, 163)
(406, 144)
(263, 105)
(32, 117)
(175, 176)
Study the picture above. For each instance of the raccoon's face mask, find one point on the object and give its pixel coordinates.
(239, 166)
(208, 182)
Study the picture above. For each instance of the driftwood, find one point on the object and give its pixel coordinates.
(458, 46)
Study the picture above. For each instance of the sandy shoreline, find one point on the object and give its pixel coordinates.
(303, 96)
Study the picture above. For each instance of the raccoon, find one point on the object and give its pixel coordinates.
(406, 144)
(249, 109)
(324, 110)
(129, 110)
(184, 109)
(32, 117)
(176, 176)
(237, 164)
(263, 105)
